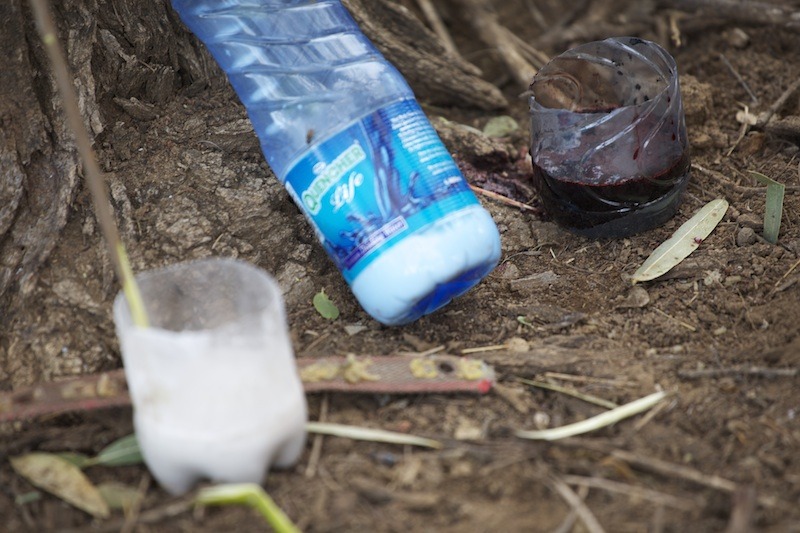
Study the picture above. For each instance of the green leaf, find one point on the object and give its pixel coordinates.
(78, 459)
(501, 126)
(774, 207)
(324, 306)
(251, 495)
(122, 452)
(524, 321)
(683, 242)
(59, 477)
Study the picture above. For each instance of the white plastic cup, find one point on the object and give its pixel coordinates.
(213, 381)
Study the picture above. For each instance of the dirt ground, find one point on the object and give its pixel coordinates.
(190, 182)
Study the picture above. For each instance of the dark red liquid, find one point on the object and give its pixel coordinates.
(619, 210)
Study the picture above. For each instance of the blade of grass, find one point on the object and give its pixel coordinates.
(596, 422)
(368, 434)
(47, 32)
(251, 495)
(569, 392)
(773, 210)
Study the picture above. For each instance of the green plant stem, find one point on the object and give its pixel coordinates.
(94, 180)
(251, 495)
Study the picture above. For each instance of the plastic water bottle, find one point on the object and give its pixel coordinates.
(341, 129)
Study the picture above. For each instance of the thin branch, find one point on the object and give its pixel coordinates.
(688, 474)
(633, 491)
(765, 117)
(503, 199)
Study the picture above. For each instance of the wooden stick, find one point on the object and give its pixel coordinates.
(503, 199)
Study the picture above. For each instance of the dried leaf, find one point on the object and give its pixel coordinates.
(63, 479)
(325, 306)
(773, 210)
(122, 452)
(118, 495)
(683, 242)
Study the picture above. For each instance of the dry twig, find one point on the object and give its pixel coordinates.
(503, 199)
(633, 492)
(576, 503)
(739, 78)
(686, 473)
(316, 447)
(765, 117)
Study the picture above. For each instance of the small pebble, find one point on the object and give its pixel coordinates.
(745, 237)
(737, 38)
(749, 220)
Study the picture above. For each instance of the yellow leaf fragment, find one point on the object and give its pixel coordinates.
(63, 479)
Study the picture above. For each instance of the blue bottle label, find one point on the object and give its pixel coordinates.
(380, 179)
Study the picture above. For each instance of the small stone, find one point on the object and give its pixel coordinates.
(510, 271)
(541, 420)
(737, 38)
(636, 299)
(732, 280)
(517, 344)
(748, 220)
(745, 237)
(468, 430)
(752, 143)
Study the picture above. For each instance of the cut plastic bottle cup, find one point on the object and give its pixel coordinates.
(608, 137)
(213, 381)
